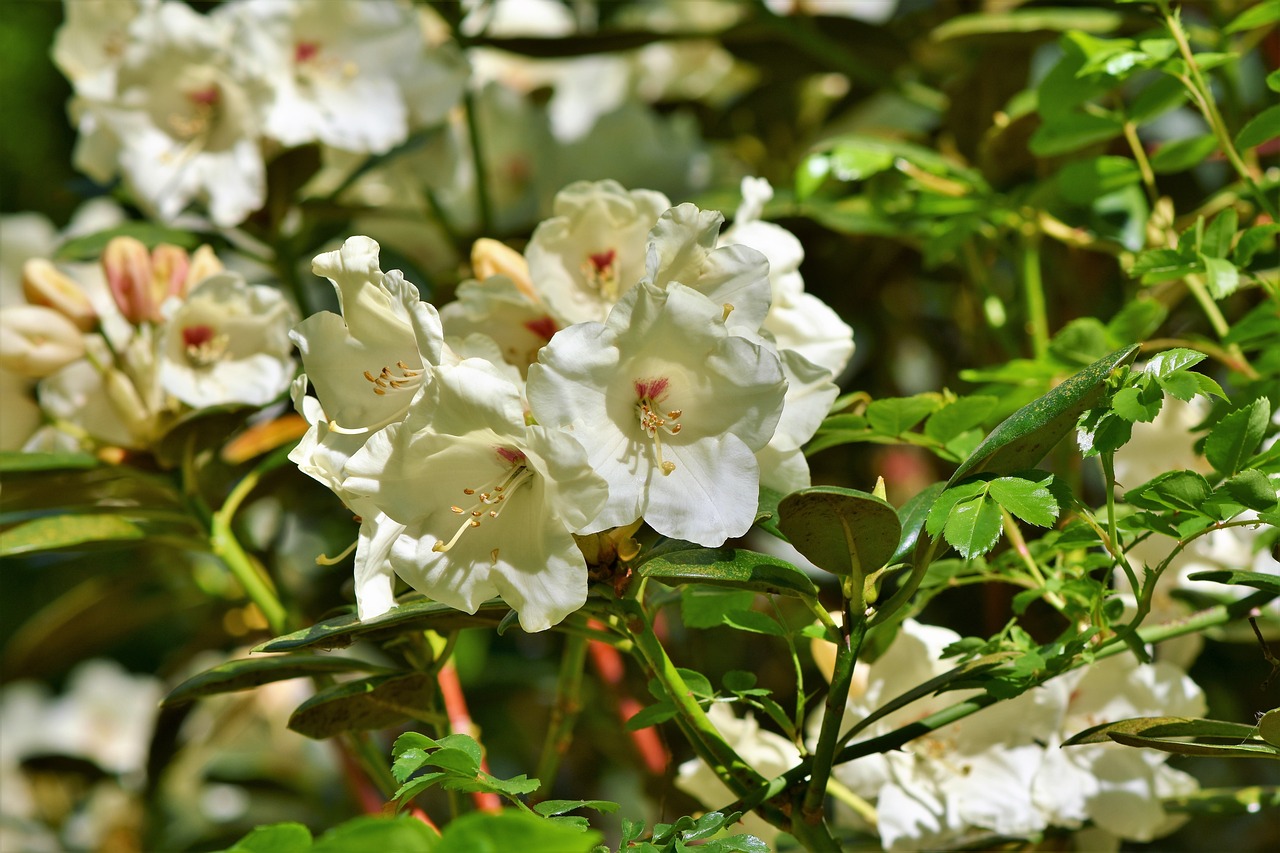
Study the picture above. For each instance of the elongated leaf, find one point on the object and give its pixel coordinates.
(91, 246)
(69, 531)
(1157, 727)
(913, 514)
(14, 461)
(1028, 21)
(366, 834)
(1183, 154)
(1225, 801)
(843, 531)
(1236, 436)
(729, 567)
(1023, 438)
(369, 703)
(1263, 127)
(1209, 750)
(414, 615)
(510, 830)
(251, 672)
(1257, 580)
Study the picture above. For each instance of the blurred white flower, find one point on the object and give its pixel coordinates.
(90, 45)
(36, 341)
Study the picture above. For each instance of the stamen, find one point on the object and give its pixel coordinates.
(651, 392)
(203, 346)
(601, 273)
(491, 497)
(408, 380)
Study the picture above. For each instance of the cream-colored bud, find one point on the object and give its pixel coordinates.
(128, 404)
(44, 284)
(127, 265)
(169, 265)
(489, 257)
(204, 263)
(36, 341)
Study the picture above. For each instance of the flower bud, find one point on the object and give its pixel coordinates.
(204, 263)
(489, 257)
(169, 266)
(43, 284)
(127, 265)
(36, 341)
(128, 404)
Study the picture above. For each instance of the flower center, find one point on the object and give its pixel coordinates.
(305, 51)
(309, 66)
(203, 345)
(601, 272)
(387, 382)
(654, 421)
(489, 500)
(198, 119)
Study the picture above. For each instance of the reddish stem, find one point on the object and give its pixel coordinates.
(608, 665)
(455, 706)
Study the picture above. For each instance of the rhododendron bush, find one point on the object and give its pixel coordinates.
(733, 425)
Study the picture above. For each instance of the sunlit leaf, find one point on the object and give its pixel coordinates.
(728, 567)
(843, 531)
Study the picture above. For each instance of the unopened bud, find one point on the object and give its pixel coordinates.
(128, 404)
(43, 284)
(489, 257)
(169, 265)
(204, 263)
(127, 265)
(36, 341)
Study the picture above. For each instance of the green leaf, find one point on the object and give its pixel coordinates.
(275, 838)
(811, 174)
(913, 515)
(1138, 404)
(91, 246)
(1209, 750)
(1081, 341)
(1269, 727)
(1062, 134)
(1219, 234)
(1155, 727)
(1028, 21)
(738, 680)
(767, 514)
(1163, 94)
(1273, 80)
(1266, 12)
(1028, 497)
(1251, 488)
(1184, 153)
(1024, 438)
(369, 703)
(959, 416)
(1179, 490)
(1083, 181)
(729, 567)
(412, 615)
(1221, 276)
(18, 461)
(53, 532)
(843, 531)
(706, 607)
(548, 808)
(857, 160)
(1236, 436)
(1259, 239)
(1158, 265)
(370, 834)
(896, 415)
(973, 526)
(651, 715)
(1257, 580)
(755, 622)
(251, 672)
(1169, 361)
(1136, 321)
(1264, 127)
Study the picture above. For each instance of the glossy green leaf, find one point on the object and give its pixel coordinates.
(549, 808)
(1183, 154)
(1024, 438)
(1138, 403)
(91, 246)
(16, 461)
(1251, 488)
(414, 615)
(1208, 750)
(973, 525)
(896, 415)
(1179, 490)
(1234, 439)
(1266, 12)
(1028, 497)
(1154, 727)
(275, 838)
(369, 703)
(53, 532)
(1264, 127)
(958, 416)
(251, 672)
(767, 513)
(913, 515)
(1273, 80)
(1257, 580)
(843, 531)
(728, 567)
(368, 834)
(1170, 361)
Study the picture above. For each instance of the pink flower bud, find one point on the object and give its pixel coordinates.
(127, 265)
(36, 341)
(43, 284)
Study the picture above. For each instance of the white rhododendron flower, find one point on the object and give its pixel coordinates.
(768, 753)
(337, 71)
(501, 505)
(36, 341)
(183, 122)
(500, 309)
(227, 342)
(90, 45)
(671, 408)
(593, 249)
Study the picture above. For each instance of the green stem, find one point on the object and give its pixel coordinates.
(1144, 164)
(246, 570)
(483, 202)
(564, 713)
(851, 634)
(1033, 285)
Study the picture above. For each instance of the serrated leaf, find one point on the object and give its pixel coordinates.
(1159, 265)
(369, 703)
(727, 567)
(1256, 580)
(1179, 490)
(252, 672)
(548, 808)
(1251, 488)
(1137, 404)
(1170, 361)
(1236, 436)
(275, 838)
(1183, 154)
(973, 526)
(53, 532)
(1221, 276)
(1209, 750)
(1027, 497)
(1024, 438)
(843, 531)
(1264, 127)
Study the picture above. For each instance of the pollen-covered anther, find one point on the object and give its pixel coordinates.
(203, 346)
(491, 497)
(652, 420)
(387, 381)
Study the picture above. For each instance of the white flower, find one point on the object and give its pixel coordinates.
(768, 753)
(671, 408)
(90, 44)
(1163, 444)
(338, 70)
(36, 341)
(182, 123)
(481, 504)
(227, 342)
(586, 256)
(499, 308)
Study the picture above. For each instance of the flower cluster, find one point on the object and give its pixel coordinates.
(624, 368)
(123, 350)
(187, 106)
